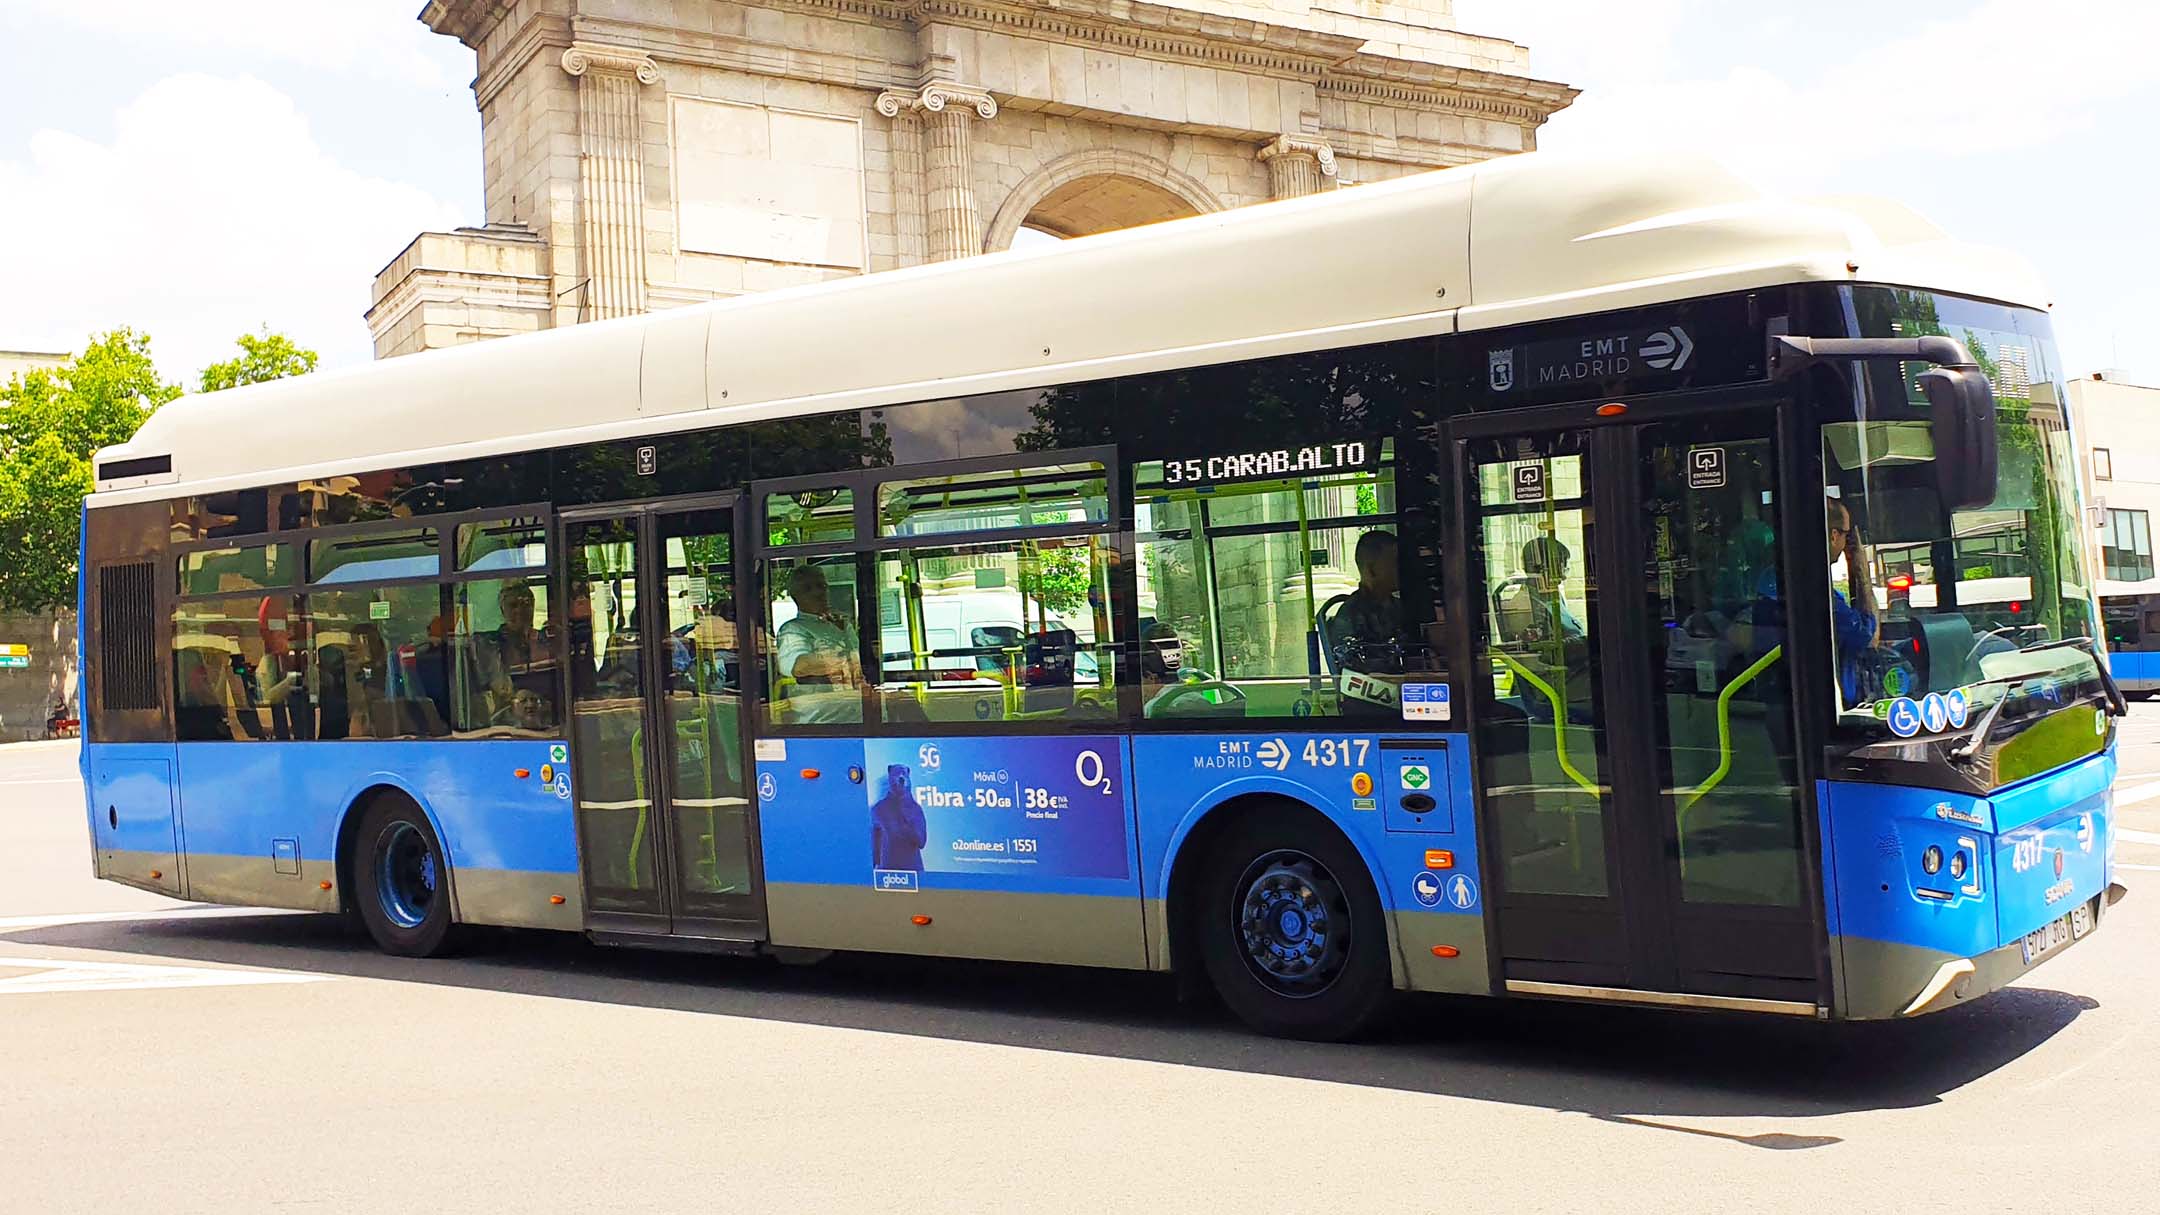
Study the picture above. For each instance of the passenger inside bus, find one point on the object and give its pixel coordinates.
(1853, 629)
(819, 653)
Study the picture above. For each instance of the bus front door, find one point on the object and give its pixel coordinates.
(1636, 753)
(666, 828)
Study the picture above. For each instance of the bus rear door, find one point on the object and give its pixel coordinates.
(666, 827)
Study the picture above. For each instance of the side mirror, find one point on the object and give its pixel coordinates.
(1963, 405)
(1961, 400)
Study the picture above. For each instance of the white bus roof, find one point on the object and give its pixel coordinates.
(1526, 238)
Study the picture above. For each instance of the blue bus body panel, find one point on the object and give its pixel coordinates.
(1017, 818)
(1875, 841)
(2135, 670)
(237, 797)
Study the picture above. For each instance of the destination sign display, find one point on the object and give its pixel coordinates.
(1270, 464)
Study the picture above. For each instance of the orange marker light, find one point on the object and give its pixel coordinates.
(1446, 951)
(919, 921)
(324, 885)
(1439, 858)
(1361, 784)
(556, 899)
(155, 874)
(522, 773)
(1613, 410)
(810, 773)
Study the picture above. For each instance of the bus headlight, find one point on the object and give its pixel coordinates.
(1931, 860)
(1957, 866)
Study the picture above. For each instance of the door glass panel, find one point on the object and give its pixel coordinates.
(1726, 759)
(702, 705)
(608, 718)
(1541, 729)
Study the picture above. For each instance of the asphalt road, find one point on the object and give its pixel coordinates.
(160, 1057)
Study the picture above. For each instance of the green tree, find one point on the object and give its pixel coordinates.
(263, 357)
(51, 421)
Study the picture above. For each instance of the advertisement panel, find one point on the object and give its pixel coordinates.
(1023, 807)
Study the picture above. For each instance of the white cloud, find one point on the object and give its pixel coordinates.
(2004, 76)
(358, 37)
(212, 212)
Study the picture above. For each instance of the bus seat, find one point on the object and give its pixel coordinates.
(1324, 624)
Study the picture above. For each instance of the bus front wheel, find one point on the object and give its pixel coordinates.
(1291, 930)
(402, 882)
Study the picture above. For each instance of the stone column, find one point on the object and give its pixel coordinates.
(912, 242)
(611, 176)
(1297, 166)
(952, 218)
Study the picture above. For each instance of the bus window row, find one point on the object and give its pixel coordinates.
(465, 659)
(1275, 596)
(494, 546)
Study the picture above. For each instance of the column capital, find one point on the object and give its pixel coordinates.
(1317, 150)
(583, 57)
(933, 98)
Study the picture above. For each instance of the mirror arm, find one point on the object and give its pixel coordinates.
(1790, 355)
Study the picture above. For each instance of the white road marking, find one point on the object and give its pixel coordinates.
(2137, 837)
(57, 975)
(58, 780)
(2139, 868)
(24, 923)
(2141, 793)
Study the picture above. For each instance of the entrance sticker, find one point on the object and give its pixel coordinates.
(1425, 702)
(1706, 468)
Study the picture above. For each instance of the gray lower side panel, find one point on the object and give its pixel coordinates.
(1467, 973)
(499, 897)
(253, 881)
(1080, 930)
(156, 872)
(512, 898)
(1882, 979)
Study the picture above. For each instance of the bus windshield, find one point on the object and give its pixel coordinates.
(1926, 600)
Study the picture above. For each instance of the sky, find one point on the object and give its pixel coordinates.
(199, 169)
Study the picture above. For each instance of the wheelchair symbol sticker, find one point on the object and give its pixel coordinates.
(767, 787)
(1904, 717)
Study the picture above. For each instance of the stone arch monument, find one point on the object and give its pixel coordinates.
(643, 154)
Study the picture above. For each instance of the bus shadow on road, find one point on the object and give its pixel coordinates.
(1624, 1065)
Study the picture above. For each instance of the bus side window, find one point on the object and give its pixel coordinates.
(1275, 597)
(812, 647)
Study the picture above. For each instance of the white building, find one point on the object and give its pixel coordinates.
(645, 154)
(2118, 427)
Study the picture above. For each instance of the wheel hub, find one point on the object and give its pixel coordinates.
(1293, 921)
(406, 875)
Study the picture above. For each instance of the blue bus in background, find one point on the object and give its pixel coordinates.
(1288, 598)
(2132, 622)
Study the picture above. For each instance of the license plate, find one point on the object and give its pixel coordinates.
(2048, 938)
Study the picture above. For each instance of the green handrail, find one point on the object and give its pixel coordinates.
(1724, 730)
(1560, 724)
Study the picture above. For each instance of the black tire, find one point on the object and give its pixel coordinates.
(401, 880)
(1290, 929)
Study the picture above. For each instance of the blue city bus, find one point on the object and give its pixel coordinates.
(1475, 583)
(2132, 622)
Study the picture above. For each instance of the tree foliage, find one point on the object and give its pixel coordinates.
(263, 357)
(51, 421)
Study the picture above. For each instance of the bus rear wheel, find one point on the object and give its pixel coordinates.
(402, 881)
(1291, 930)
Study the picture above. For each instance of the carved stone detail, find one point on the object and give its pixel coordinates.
(935, 118)
(611, 177)
(1296, 165)
(933, 98)
(583, 57)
